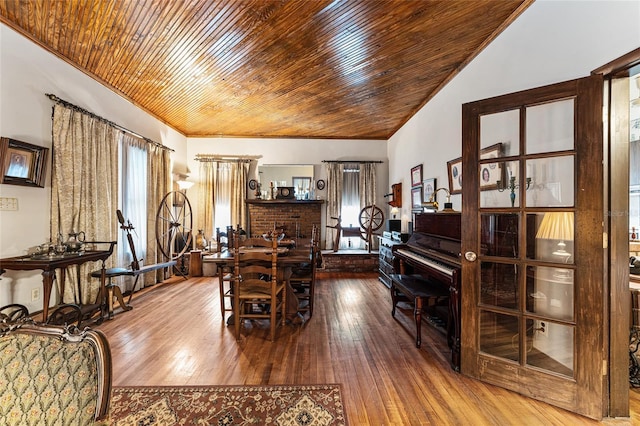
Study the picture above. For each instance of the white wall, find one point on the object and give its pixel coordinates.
(552, 41)
(27, 72)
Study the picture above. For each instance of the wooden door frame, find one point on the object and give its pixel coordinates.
(617, 144)
(587, 394)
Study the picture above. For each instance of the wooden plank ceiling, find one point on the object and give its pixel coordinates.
(269, 68)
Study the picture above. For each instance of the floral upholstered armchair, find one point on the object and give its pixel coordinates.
(53, 375)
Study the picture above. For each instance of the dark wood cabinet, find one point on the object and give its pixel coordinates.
(385, 259)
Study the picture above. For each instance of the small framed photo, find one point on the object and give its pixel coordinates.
(490, 173)
(428, 187)
(22, 163)
(416, 198)
(454, 169)
(416, 175)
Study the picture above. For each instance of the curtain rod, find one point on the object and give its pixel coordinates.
(226, 158)
(111, 123)
(353, 161)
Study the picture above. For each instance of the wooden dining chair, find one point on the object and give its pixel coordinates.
(303, 276)
(258, 294)
(224, 242)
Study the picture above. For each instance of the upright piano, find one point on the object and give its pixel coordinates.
(434, 251)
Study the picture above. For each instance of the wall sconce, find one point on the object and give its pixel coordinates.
(433, 204)
(512, 186)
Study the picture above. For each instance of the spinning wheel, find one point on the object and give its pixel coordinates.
(371, 218)
(173, 225)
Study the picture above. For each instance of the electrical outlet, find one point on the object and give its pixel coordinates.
(35, 294)
(541, 328)
(8, 204)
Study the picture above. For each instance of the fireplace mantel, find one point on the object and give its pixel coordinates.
(284, 201)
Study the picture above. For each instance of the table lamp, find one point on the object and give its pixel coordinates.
(557, 226)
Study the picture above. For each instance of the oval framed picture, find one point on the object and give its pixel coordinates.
(320, 184)
(253, 184)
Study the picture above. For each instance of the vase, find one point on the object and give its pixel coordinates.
(201, 241)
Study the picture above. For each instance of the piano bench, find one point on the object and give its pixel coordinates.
(416, 289)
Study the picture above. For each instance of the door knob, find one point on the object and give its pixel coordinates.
(470, 256)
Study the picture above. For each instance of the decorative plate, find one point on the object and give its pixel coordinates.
(320, 184)
(253, 184)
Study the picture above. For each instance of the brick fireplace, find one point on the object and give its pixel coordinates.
(287, 214)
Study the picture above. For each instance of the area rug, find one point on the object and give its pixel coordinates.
(312, 405)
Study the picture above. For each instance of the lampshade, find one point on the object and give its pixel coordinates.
(184, 184)
(556, 226)
(394, 211)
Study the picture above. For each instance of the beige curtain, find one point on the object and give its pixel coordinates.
(158, 185)
(367, 186)
(83, 188)
(335, 173)
(206, 191)
(222, 180)
(239, 173)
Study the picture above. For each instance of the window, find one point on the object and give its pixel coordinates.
(350, 213)
(133, 196)
(222, 196)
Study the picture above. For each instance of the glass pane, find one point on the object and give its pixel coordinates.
(507, 192)
(499, 284)
(552, 182)
(550, 292)
(550, 127)
(499, 335)
(550, 236)
(502, 127)
(550, 346)
(499, 234)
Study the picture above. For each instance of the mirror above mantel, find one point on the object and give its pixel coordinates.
(279, 173)
(296, 177)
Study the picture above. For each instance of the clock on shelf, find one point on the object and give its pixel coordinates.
(285, 192)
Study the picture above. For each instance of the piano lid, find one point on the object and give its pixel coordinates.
(437, 231)
(443, 225)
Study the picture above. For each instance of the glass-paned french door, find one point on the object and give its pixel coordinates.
(532, 298)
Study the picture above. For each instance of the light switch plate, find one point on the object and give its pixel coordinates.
(7, 203)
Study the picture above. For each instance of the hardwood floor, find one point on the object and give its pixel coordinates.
(176, 336)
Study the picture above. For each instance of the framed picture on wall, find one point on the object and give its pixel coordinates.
(416, 198)
(490, 173)
(22, 163)
(428, 186)
(454, 169)
(416, 175)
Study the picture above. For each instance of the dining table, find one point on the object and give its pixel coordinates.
(288, 258)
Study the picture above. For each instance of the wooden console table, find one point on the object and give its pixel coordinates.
(49, 264)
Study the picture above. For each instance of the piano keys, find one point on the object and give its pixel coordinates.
(433, 251)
